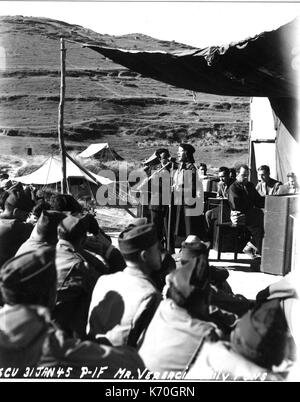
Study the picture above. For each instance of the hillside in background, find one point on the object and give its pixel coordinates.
(104, 101)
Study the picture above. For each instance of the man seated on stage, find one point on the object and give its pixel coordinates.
(245, 201)
(266, 185)
(224, 183)
(212, 215)
(208, 181)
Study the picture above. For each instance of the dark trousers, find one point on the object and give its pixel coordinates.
(160, 218)
(189, 225)
(210, 217)
(255, 225)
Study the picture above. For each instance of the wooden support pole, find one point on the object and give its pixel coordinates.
(83, 169)
(61, 117)
(95, 180)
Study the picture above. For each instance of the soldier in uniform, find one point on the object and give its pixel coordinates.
(124, 303)
(160, 202)
(75, 277)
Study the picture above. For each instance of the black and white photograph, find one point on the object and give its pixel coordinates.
(149, 194)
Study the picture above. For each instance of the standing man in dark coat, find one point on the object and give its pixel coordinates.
(160, 181)
(244, 199)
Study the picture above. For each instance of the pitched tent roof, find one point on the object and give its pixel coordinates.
(51, 172)
(263, 66)
(101, 151)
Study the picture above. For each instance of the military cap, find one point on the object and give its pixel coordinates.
(192, 275)
(64, 202)
(74, 226)
(261, 334)
(33, 271)
(136, 222)
(192, 246)
(18, 199)
(23, 330)
(48, 222)
(137, 238)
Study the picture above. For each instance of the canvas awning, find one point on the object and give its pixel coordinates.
(263, 66)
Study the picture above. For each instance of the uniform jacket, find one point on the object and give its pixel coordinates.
(31, 244)
(172, 338)
(222, 191)
(121, 304)
(75, 283)
(30, 340)
(218, 361)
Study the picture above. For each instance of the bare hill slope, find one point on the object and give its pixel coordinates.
(105, 101)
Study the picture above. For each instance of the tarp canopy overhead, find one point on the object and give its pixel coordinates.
(101, 151)
(260, 66)
(51, 172)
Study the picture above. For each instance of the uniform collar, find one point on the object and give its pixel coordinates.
(65, 245)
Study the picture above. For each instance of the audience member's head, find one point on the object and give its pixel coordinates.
(185, 153)
(64, 202)
(192, 247)
(188, 286)
(140, 246)
(261, 335)
(46, 226)
(17, 205)
(37, 210)
(30, 278)
(74, 230)
(23, 329)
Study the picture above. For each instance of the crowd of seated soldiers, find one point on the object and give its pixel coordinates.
(69, 298)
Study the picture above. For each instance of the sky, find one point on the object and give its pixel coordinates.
(195, 23)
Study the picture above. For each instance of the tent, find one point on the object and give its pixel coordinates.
(263, 66)
(51, 172)
(101, 151)
(80, 184)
